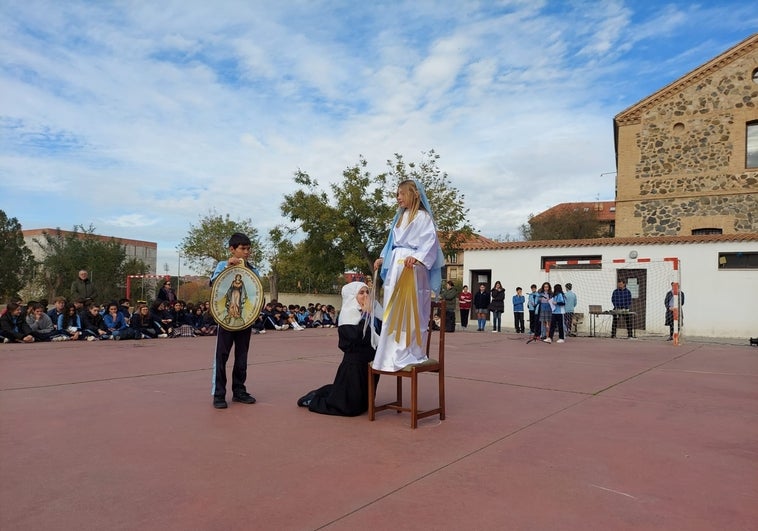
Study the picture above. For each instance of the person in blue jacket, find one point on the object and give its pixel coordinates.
(621, 298)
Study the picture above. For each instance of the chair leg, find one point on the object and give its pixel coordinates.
(399, 393)
(371, 394)
(414, 400)
(441, 375)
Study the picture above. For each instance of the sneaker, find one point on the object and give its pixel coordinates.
(263, 331)
(547, 340)
(219, 402)
(245, 398)
(560, 341)
(6, 340)
(90, 338)
(494, 331)
(670, 338)
(162, 335)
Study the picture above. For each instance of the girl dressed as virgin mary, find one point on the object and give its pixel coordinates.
(410, 266)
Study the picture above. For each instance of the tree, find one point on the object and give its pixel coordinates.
(346, 229)
(65, 255)
(565, 224)
(16, 260)
(206, 244)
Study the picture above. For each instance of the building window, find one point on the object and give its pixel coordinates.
(573, 261)
(711, 230)
(738, 260)
(452, 258)
(751, 147)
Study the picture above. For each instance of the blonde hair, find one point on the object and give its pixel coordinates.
(409, 186)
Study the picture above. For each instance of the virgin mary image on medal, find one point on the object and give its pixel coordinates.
(236, 296)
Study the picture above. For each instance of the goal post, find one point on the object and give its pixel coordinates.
(593, 282)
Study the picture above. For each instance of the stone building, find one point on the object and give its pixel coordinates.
(687, 155)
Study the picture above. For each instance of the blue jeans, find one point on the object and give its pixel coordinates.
(496, 320)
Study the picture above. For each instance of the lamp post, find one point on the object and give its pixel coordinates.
(178, 275)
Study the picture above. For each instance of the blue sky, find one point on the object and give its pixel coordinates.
(140, 117)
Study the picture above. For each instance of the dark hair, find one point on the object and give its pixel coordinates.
(237, 239)
(533, 286)
(519, 289)
(557, 289)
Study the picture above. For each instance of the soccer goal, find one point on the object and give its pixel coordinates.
(649, 281)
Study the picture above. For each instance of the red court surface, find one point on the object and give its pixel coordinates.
(591, 434)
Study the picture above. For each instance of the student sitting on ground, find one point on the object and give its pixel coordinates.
(94, 324)
(161, 320)
(13, 325)
(70, 323)
(142, 322)
(39, 322)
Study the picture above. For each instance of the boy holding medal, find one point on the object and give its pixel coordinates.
(239, 247)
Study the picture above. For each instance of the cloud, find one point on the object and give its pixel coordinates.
(143, 116)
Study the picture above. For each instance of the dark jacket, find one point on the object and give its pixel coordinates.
(93, 323)
(497, 300)
(14, 327)
(482, 300)
(83, 289)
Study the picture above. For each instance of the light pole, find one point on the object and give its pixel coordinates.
(178, 275)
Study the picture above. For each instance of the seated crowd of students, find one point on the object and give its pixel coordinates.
(85, 320)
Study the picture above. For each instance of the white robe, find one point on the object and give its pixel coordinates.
(419, 239)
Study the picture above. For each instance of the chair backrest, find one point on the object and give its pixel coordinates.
(596, 308)
(440, 307)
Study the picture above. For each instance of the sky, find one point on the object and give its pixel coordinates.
(139, 118)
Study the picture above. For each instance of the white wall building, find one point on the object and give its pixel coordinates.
(718, 275)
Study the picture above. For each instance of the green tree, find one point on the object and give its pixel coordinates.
(346, 228)
(16, 260)
(206, 244)
(65, 254)
(564, 224)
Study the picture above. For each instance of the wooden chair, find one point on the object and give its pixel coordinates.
(412, 372)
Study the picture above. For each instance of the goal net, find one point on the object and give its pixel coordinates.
(649, 281)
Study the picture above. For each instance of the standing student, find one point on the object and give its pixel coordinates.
(571, 302)
(481, 307)
(557, 305)
(497, 305)
(410, 266)
(518, 310)
(465, 298)
(544, 309)
(239, 248)
(532, 303)
(670, 302)
(449, 295)
(621, 298)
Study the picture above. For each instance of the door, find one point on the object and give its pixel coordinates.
(636, 282)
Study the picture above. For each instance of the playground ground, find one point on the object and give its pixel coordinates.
(594, 433)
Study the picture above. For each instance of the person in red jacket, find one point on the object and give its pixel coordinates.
(465, 298)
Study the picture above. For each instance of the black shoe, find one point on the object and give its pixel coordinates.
(219, 402)
(305, 401)
(246, 398)
(670, 338)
